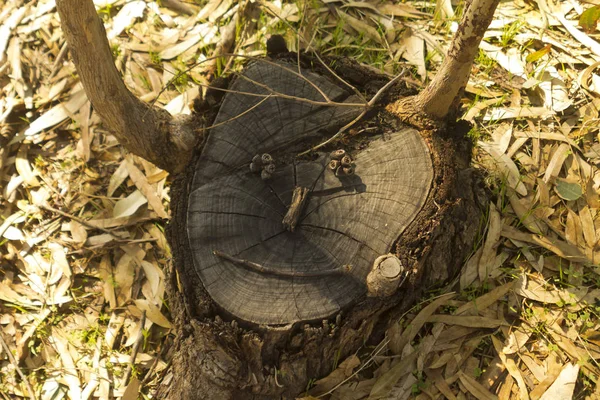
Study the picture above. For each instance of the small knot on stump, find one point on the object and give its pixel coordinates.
(385, 276)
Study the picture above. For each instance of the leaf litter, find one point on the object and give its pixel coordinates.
(83, 249)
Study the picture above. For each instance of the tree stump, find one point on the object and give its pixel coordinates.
(272, 252)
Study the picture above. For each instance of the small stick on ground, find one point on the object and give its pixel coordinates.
(59, 59)
(15, 364)
(134, 351)
(224, 46)
(81, 221)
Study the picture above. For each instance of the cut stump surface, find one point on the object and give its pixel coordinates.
(250, 264)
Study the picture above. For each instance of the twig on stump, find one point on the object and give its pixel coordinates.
(291, 218)
(281, 272)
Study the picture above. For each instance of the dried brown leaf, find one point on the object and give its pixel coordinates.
(59, 340)
(468, 321)
(512, 368)
(564, 385)
(517, 338)
(154, 288)
(556, 162)
(417, 323)
(132, 390)
(343, 371)
(361, 27)
(106, 275)
(470, 270)
(129, 205)
(412, 48)
(125, 17)
(506, 166)
(78, 232)
(153, 313)
(440, 383)
(140, 181)
(475, 388)
(24, 168)
(587, 226)
(58, 113)
(536, 289)
(525, 213)
(552, 373)
(400, 10)
(386, 382)
(534, 365)
(484, 301)
(488, 254)
(124, 274)
(557, 246)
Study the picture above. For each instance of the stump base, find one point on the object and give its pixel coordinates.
(217, 357)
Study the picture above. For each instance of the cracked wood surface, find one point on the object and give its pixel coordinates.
(346, 223)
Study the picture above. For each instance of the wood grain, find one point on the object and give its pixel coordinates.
(346, 222)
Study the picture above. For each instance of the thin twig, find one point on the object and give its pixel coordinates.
(59, 59)
(280, 272)
(81, 221)
(134, 351)
(334, 137)
(276, 382)
(327, 103)
(380, 347)
(362, 114)
(239, 115)
(15, 364)
(151, 370)
(258, 59)
(311, 83)
(225, 43)
(316, 54)
(292, 217)
(109, 245)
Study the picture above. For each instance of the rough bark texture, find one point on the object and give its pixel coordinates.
(147, 131)
(440, 100)
(218, 357)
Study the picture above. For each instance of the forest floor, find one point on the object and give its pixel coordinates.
(82, 245)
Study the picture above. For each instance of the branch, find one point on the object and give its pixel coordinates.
(440, 100)
(146, 131)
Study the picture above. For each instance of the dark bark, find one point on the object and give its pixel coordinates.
(147, 131)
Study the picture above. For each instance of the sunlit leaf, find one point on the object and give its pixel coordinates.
(589, 19)
(536, 55)
(568, 190)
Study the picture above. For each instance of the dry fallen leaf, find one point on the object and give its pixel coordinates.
(337, 376)
(564, 385)
(129, 205)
